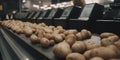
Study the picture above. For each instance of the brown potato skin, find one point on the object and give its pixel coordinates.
(27, 30)
(62, 49)
(106, 34)
(117, 44)
(109, 40)
(106, 42)
(57, 38)
(115, 48)
(96, 58)
(113, 38)
(52, 42)
(70, 39)
(115, 59)
(48, 36)
(78, 46)
(45, 42)
(87, 54)
(85, 34)
(79, 36)
(34, 38)
(75, 56)
(103, 52)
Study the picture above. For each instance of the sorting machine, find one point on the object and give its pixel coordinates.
(55, 13)
(68, 13)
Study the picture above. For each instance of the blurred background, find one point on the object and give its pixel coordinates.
(27, 5)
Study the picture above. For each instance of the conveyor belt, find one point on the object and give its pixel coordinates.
(35, 50)
(6, 52)
(11, 50)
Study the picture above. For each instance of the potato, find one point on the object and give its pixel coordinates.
(106, 42)
(110, 40)
(72, 31)
(33, 25)
(56, 31)
(90, 45)
(61, 30)
(75, 56)
(66, 32)
(59, 27)
(44, 42)
(34, 38)
(103, 52)
(63, 35)
(115, 59)
(79, 36)
(87, 54)
(70, 39)
(71, 36)
(113, 47)
(113, 38)
(19, 30)
(89, 34)
(62, 49)
(58, 38)
(52, 42)
(27, 30)
(48, 36)
(47, 30)
(40, 34)
(96, 58)
(85, 34)
(43, 24)
(51, 27)
(78, 46)
(14, 28)
(106, 34)
(117, 44)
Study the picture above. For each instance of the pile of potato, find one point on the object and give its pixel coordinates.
(69, 44)
(108, 49)
(46, 35)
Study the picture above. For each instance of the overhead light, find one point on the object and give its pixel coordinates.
(64, 3)
(112, 0)
(36, 6)
(23, 0)
(45, 5)
(96, 1)
(88, 1)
